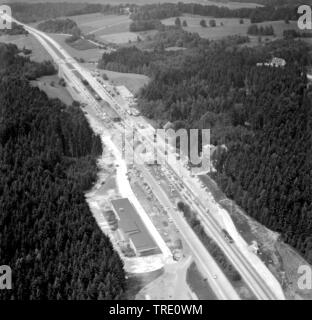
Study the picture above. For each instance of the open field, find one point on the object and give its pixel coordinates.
(109, 28)
(127, 38)
(121, 37)
(134, 82)
(83, 44)
(99, 24)
(29, 42)
(87, 55)
(50, 85)
(231, 26)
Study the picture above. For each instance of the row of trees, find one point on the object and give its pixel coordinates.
(144, 25)
(47, 160)
(180, 24)
(212, 23)
(292, 34)
(209, 244)
(254, 30)
(66, 26)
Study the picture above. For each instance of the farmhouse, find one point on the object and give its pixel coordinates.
(275, 62)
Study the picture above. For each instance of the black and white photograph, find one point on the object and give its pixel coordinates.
(156, 151)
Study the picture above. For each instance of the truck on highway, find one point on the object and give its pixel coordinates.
(227, 236)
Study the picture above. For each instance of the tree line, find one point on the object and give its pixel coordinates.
(66, 26)
(256, 15)
(212, 247)
(32, 12)
(255, 30)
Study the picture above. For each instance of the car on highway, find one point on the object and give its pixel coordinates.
(227, 236)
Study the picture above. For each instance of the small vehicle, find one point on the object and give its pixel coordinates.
(227, 236)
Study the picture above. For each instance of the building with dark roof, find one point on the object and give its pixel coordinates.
(132, 225)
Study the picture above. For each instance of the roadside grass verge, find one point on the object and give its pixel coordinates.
(212, 247)
(199, 284)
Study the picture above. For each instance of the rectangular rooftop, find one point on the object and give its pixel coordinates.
(132, 225)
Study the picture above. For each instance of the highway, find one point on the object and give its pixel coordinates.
(205, 262)
(259, 279)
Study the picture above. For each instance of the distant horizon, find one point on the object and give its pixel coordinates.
(232, 4)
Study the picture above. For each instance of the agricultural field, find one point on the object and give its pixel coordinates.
(38, 54)
(133, 82)
(99, 24)
(50, 85)
(83, 44)
(80, 51)
(120, 38)
(231, 26)
(108, 28)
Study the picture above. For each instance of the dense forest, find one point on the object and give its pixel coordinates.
(262, 115)
(47, 160)
(134, 60)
